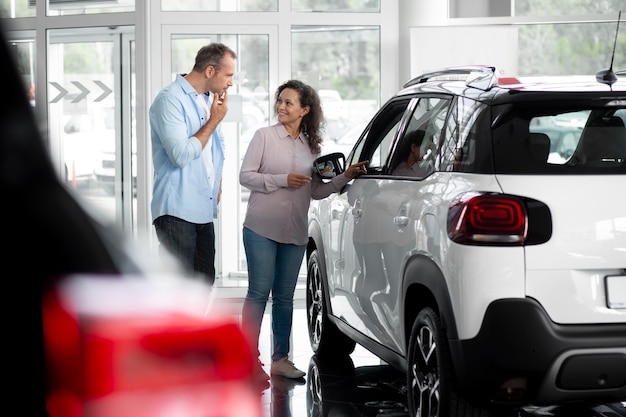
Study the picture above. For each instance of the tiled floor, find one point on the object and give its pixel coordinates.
(358, 386)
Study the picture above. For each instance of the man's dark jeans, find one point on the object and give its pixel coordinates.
(193, 244)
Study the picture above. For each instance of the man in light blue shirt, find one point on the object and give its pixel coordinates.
(188, 157)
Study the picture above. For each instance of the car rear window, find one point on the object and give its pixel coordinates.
(564, 141)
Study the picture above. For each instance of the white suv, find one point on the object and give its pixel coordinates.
(498, 277)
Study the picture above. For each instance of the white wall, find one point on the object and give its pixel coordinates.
(438, 47)
(414, 13)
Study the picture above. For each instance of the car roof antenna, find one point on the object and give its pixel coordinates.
(607, 76)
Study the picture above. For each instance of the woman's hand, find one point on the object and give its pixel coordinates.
(357, 169)
(297, 180)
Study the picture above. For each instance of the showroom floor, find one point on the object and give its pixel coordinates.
(358, 386)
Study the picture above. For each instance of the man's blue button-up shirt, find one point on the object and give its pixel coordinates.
(181, 188)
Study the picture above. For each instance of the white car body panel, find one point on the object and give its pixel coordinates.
(475, 284)
(566, 274)
(571, 287)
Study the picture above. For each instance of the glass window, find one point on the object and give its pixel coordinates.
(430, 116)
(91, 124)
(335, 6)
(573, 48)
(426, 122)
(379, 156)
(24, 55)
(498, 8)
(377, 142)
(562, 133)
(563, 140)
(73, 7)
(566, 7)
(27, 8)
(342, 63)
(79, 110)
(220, 5)
(581, 48)
(16, 8)
(459, 146)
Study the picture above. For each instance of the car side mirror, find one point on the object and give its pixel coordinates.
(331, 165)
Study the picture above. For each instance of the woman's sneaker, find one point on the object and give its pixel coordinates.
(284, 367)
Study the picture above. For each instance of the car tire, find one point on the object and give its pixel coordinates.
(430, 382)
(324, 336)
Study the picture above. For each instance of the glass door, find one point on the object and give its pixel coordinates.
(91, 119)
(249, 108)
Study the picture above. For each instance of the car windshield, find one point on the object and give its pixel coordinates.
(567, 141)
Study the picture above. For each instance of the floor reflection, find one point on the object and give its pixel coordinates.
(281, 390)
(336, 388)
(361, 385)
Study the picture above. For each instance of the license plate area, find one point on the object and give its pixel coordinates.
(615, 291)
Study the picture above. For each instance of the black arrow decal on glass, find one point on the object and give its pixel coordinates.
(105, 91)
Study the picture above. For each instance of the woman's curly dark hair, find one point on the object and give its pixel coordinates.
(313, 121)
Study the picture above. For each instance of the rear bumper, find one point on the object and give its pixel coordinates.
(558, 362)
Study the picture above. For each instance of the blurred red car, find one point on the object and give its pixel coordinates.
(135, 347)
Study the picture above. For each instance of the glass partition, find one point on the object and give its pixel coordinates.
(572, 48)
(342, 63)
(12, 9)
(220, 5)
(74, 7)
(567, 7)
(23, 49)
(91, 124)
(335, 6)
(27, 8)
(500, 8)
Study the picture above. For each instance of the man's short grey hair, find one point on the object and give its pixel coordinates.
(212, 54)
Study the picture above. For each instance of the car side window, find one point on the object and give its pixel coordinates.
(426, 124)
(458, 151)
(564, 140)
(377, 142)
(381, 152)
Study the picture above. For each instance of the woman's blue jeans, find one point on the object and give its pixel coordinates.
(274, 267)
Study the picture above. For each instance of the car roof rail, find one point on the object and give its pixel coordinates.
(482, 77)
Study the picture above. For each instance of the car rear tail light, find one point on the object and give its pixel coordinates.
(488, 219)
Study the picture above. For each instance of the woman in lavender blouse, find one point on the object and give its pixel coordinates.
(278, 170)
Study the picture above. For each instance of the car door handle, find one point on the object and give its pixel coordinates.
(400, 220)
(357, 212)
